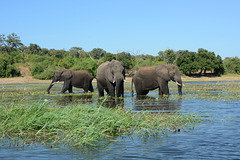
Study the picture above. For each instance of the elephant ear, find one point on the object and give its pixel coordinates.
(162, 71)
(108, 72)
(66, 74)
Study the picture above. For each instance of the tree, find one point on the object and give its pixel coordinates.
(126, 58)
(9, 44)
(109, 57)
(169, 56)
(188, 62)
(97, 53)
(206, 60)
(34, 49)
(7, 68)
(77, 52)
(232, 65)
(219, 68)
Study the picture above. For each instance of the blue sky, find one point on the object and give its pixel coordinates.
(135, 26)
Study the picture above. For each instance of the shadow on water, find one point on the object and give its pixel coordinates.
(159, 104)
(70, 99)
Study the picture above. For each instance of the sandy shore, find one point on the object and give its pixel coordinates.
(30, 80)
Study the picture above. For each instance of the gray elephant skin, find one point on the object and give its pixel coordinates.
(150, 78)
(80, 79)
(110, 77)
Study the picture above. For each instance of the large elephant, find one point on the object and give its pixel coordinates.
(110, 77)
(150, 78)
(79, 79)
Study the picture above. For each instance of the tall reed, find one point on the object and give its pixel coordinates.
(83, 124)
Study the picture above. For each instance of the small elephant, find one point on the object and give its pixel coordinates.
(150, 78)
(79, 79)
(110, 77)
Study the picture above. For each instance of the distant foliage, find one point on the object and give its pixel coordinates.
(7, 67)
(232, 65)
(191, 62)
(44, 62)
(86, 64)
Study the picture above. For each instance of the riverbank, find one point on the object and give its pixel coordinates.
(29, 80)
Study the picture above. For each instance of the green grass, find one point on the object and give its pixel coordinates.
(83, 124)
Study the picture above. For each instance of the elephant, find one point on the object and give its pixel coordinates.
(80, 79)
(110, 77)
(150, 78)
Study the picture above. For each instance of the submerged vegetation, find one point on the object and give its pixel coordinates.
(83, 124)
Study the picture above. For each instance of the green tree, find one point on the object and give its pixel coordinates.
(75, 52)
(7, 68)
(188, 62)
(206, 60)
(10, 43)
(34, 49)
(219, 67)
(87, 64)
(169, 56)
(109, 57)
(232, 65)
(126, 58)
(97, 53)
(67, 62)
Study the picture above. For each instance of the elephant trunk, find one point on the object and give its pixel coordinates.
(119, 87)
(119, 79)
(50, 86)
(179, 83)
(180, 90)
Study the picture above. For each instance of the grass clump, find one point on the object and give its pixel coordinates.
(82, 124)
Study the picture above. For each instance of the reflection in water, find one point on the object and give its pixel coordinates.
(111, 102)
(68, 99)
(161, 104)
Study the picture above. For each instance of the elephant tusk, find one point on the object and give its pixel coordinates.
(114, 81)
(178, 83)
(53, 83)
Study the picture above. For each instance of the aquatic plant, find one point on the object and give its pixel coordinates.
(83, 124)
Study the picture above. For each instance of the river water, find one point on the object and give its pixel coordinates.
(218, 137)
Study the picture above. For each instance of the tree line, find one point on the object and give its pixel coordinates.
(44, 62)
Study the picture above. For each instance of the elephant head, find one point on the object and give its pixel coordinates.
(170, 72)
(60, 76)
(115, 73)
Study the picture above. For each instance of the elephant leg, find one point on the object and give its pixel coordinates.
(70, 88)
(100, 90)
(106, 89)
(111, 89)
(138, 86)
(164, 87)
(160, 92)
(66, 86)
(85, 88)
(90, 88)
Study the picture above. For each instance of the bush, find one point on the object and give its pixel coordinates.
(47, 73)
(232, 65)
(87, 64)
(7, 68)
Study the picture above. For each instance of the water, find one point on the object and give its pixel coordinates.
(218, 137)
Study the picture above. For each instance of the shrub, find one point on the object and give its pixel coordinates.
(7, 68)
(47, 73)
(87, 64)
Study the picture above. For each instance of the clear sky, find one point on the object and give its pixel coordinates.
(134, 26)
